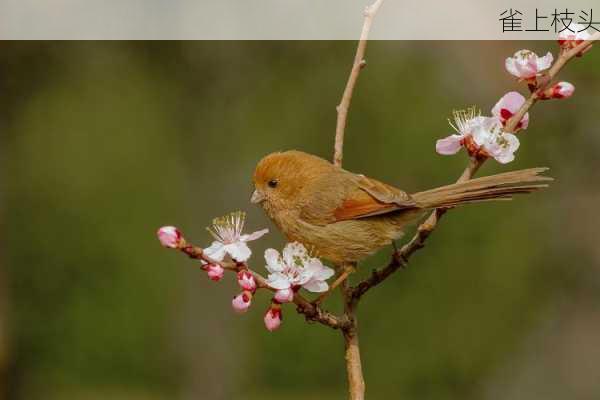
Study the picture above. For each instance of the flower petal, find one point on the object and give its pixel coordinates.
(318, 270)
(325, 273)
(254, 236)
(448, 145)
(279, 281)
(239, 251)
(512, 101)
(216, 251)
(505, 157)
(304, 275)
(316, 286)
(545, 62)
(509, 105)
(511, 67)
(273, 261)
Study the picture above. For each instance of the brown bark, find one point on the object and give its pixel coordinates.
(358, 64)
(356, 382)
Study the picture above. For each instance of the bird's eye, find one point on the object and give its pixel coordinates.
(273, 183)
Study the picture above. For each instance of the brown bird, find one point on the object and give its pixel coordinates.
(345, 217)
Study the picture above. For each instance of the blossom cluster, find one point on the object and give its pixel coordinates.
(484, 136)
(488, 136)
(289, 271)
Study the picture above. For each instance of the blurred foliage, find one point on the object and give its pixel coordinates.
(102, 143)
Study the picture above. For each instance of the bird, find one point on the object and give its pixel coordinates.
(344, 217)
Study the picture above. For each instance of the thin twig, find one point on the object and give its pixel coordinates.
(359, 63)
(400, 258)
(348, 270)
(356, 381)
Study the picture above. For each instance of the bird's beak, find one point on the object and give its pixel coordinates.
(257, 197)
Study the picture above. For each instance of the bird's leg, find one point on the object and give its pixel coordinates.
(345, 273)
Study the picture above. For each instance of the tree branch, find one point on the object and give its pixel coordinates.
(357, 66)
(400, 258)
(356, 381)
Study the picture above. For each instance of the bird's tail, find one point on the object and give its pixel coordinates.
(494, 187)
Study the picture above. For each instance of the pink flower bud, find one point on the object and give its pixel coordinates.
(169, 236)
(508, 106)
(215, 272)
(284, 295)
(246, 281)
(273, 318)
(561, 90)
(241, 302)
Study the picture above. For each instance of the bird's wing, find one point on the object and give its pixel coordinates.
(371, 197)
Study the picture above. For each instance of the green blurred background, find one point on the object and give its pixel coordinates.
(103, 142)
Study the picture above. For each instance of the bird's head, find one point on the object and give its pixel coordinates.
(279, 179)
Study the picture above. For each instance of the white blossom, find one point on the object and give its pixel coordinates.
(492, 140)
(295, 268)
(483, 136)
(464, 121)
(227, 231)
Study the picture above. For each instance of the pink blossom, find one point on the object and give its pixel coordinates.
(573, 36)
(215, 272)
(525, 64)
(246, 281)
(560, 90)
(508, 106)
(241, 302)
(284, 295)
(169, 236)
(273, 318)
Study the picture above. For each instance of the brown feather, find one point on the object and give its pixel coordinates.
(372, 197)
(384, 192)
(359, 208)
